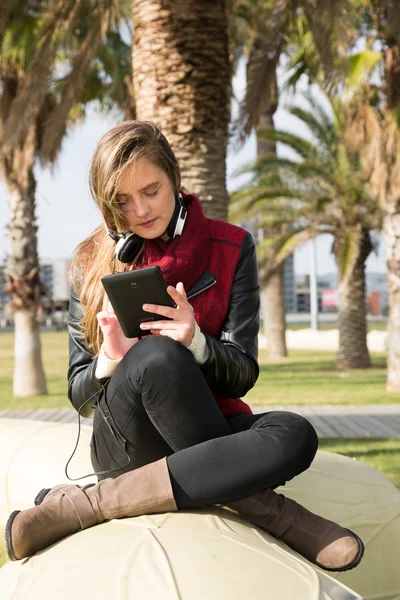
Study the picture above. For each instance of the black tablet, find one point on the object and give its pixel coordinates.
(127, 293)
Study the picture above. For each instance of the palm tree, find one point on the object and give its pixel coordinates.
(378, 131)
(257, 33)
(37, 104)
(325, 192)
(181, 81)
(375, 133)
(265, 30)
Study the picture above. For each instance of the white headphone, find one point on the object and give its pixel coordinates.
(129, 245)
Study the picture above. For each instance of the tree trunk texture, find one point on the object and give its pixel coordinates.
(29, 378)
(392, 250)
(391, 205)
(182, 82)
(22, 271)
(273, 293)
(353, 350)
(274, 315)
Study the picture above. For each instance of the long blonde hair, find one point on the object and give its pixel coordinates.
(117, 150)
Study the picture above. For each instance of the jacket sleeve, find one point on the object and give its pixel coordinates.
(82, 383)
(232, 366)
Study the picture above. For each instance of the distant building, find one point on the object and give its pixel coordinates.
(376, 293)
(54, 274)
(289, 285)
(377, 284)
(329, 299)
(303, 300)
(288, 269)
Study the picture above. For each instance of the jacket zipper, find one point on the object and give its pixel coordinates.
(203, 289)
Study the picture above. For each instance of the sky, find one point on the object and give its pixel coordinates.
(66, 214)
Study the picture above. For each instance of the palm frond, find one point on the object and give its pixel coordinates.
(279, 251)
(326, 135)
(304, 148)
(61, 16)
(361, 66)
(264, 54)
(75, 81)
(264, 165)
(18, 43)
(332, 26)
(266, 200)
(303, 59)
(261, 89)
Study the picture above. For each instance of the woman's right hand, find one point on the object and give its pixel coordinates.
(116, 344)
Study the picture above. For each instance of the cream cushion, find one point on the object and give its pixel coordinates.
(208, 553)
(200, 555)
(33, 455)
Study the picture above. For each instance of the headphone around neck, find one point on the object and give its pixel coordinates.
(129, 245)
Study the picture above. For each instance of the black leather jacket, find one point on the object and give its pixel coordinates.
(231, 368)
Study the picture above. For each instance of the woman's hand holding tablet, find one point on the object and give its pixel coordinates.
(142, 304)
(180, 325)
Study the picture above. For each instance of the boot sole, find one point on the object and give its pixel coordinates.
(9, 548)
(355, 562)
(41, 496)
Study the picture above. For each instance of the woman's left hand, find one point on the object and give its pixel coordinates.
(182, 326)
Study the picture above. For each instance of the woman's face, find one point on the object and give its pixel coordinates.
(147, 199)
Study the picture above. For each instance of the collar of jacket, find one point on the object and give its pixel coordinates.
(206, 281)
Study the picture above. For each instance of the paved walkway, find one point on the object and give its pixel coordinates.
(330, 421)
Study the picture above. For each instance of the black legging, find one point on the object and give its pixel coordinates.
(159, 404)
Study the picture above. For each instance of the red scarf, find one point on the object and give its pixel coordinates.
(186, 257)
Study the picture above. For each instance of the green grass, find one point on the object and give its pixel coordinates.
(305, 377)
(311, 377)
(380, 325)
(55, 359)
(383, 454)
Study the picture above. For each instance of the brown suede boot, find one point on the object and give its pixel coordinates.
(322, 542)
(67, 508)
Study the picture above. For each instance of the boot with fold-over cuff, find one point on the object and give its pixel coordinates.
(66, 509)
(322, 542)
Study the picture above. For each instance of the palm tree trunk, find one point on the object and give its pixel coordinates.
(391, 224)
(22, 278)
(274, 315)
(273, 293)
(29, 378)
(182, 82)
(392, 249)
(353, 350)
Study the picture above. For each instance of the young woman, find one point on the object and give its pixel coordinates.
(170, 431)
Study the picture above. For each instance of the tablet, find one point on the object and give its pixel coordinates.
(127, 293)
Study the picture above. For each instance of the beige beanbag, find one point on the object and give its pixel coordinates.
(201, 555)
(208, 553)
(33, 455)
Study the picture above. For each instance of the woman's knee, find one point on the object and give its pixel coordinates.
(298, 435)
(156, 353)
(304, 439)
